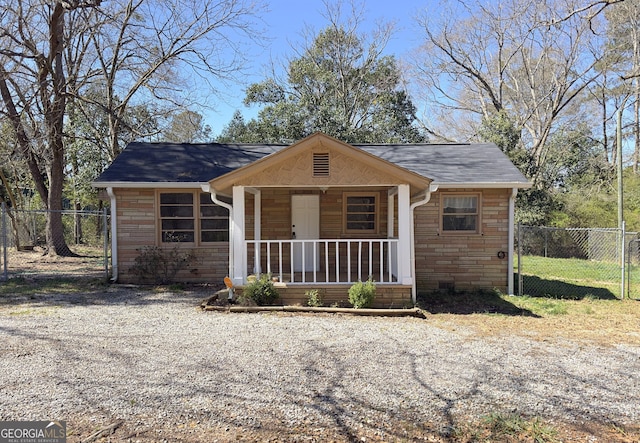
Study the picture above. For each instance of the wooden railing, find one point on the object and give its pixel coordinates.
(324, 261)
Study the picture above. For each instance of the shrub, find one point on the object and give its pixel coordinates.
(260, 291)
(314, 299)
(361, 294)
(160, 266)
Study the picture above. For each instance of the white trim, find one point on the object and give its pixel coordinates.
(482, 185)
(405, 271)
(155, 185)
(114, 235)
(391, 195)
(257, 225)
(191, 185)
(237, 241)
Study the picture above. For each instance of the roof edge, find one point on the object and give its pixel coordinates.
(162, 185)
(484, 185)
(192, 185)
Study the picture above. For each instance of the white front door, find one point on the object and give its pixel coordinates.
(305, 225)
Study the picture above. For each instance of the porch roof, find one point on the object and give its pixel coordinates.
(184, 165)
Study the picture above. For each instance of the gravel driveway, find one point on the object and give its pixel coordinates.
(159, 369)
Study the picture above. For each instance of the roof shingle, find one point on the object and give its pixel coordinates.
(453, 164)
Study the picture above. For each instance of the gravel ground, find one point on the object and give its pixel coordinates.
(158, 368)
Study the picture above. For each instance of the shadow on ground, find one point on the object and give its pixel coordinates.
(469, 303)
(88, 291)
(534, 286)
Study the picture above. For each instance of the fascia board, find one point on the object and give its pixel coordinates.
(482, 185)
(155, 185)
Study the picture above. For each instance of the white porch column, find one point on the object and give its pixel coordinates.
(405, 273)
(257, 227)
(391, 198)
(237, 242)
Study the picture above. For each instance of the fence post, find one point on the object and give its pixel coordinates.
(519, 259)
(622, 254)
(3, 235)
(105, 229)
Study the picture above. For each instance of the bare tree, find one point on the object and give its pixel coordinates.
(33, 86)
(485, 58)
(154, 53)
(51, 52)
(587, 11)
(623, 61)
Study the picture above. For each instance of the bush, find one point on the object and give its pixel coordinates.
(160, 266)
(314, 299)
(260, 291)
(361, 294)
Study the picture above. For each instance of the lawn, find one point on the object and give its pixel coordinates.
(571, 278)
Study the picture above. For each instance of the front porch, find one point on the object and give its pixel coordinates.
(269, 234)
(322, 213)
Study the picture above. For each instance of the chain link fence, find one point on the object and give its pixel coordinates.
(24, 252)
(577, 262)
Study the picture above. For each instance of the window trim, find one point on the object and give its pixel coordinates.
(192, 218)
(376, 221)
(200, 219)
(197, 218)
(478, 213)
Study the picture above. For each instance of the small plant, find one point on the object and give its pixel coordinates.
(517, 428)
(314, 299)
(260, 291)
(361, 294)
(160, 266)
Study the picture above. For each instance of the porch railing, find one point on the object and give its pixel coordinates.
(324, 261)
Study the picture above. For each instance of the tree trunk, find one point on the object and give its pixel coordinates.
(55, 107)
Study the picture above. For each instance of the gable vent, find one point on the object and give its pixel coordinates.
(321, 164)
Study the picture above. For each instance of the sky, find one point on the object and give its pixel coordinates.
(284, 23)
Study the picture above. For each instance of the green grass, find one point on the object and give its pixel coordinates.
(572, 278)
(22, 286)
(508, 427)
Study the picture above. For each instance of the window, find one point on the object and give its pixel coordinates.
(214, 220)
(460, 213)
(176, 217)
(360, 212)
(178, 222)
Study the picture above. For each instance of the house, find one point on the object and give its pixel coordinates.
(320, 214)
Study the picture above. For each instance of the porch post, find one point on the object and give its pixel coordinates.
(405, 273)
(239, 250)
(390, 212)
(257, 227)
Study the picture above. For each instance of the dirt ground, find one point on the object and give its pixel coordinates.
(608, 323)
(194, 432)
(35, 263)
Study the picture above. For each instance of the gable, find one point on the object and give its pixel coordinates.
(319, 161)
